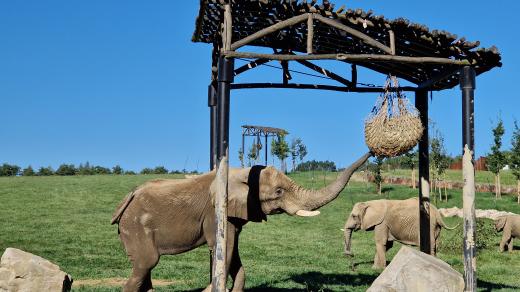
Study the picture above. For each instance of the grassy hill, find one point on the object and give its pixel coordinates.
(66, 220)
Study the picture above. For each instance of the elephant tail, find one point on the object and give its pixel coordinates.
(122, 207)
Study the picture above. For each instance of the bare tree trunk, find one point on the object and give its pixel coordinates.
(413, 179)
(499, 191)
(379, 187)
(445, 188)
(496, 187)
(518, 191)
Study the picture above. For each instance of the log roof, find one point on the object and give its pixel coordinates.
(411, 39)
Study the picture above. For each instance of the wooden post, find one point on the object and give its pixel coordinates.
(421, 103)
(266, 146)
(212, 104)
(310, 33)
(225, 78)
(467, 85)
(392, 41)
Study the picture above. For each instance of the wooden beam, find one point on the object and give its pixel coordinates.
(250, 66)
(228, 28)
(430, 83)
(348, 57)
(318, 87)
(275, 27)
(325, 72)
(310, 33)
(365, 38)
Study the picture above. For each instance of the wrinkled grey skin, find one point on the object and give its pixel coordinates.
(174, 216)
(391, 220)
(510, 225)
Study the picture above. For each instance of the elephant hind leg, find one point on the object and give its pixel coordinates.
(144, 257)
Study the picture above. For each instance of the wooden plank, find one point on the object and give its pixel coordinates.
(219, 269)
(318, 87)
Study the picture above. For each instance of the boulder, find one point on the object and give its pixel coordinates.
(24, 272)
(412, 270)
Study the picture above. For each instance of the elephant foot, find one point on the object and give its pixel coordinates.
(378, 267)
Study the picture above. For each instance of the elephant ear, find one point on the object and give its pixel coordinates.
(500, 222)
(243, 194)
(372, 215)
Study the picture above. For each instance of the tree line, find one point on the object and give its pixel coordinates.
(83, 169)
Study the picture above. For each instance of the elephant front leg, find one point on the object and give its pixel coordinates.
(506, 238)
(510, 245)
(381, 239)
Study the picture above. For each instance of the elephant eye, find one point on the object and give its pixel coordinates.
(279, 191)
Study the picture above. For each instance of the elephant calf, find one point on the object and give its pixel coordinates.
(391, 220)
(510, 225)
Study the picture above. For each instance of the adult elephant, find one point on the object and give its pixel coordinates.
(173, 216)
(510, 225)
(391, 220)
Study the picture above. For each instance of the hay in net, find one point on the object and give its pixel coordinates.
(394, 126)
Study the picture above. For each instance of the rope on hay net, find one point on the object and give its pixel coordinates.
(394, 126)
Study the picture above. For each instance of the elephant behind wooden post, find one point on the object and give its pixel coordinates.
(391, 220)
(510, 227)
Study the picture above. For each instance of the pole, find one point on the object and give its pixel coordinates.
(225, 77)
(467, 85)
(266, 149)
(212, 104)
(421, 103)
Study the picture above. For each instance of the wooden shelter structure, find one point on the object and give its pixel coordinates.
(260, 131)
(303, 31)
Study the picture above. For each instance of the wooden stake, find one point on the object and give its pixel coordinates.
(392, 42)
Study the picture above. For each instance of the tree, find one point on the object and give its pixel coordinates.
(85, 169)
(160, 170)
(241, 157)
(45, 171)
(298, 151)
(130, 172)
(9, 170)
(117, 170)
(101, 170)
(515, 159)
(439, 161)
(29, 171)
(410, 159)
(280, 149)
(316, 165)
(146, 170)
(496, 160)
(66, 169)
(376, 171)
(252, 156)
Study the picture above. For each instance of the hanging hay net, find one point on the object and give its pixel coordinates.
(394, 126)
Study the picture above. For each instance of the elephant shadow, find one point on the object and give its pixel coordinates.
(488, 286)
(316, 281)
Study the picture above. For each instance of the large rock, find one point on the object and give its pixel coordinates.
(24, 272)
(412, 270)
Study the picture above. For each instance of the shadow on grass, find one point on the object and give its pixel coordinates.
(488, 286)
(315, 281)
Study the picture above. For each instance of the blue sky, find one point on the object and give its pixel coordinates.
(120, 82)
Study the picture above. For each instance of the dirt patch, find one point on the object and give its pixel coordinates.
(117, 282)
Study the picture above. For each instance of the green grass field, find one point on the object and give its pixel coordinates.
(487, 177)
(66, 220)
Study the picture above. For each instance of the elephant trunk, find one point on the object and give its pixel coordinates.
(348, 241)
(314, 199)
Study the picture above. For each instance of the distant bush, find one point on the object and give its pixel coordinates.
(130, 172)
(85, 169)
(316, 165)
(9, 170)
(45, 171)
(66, 169)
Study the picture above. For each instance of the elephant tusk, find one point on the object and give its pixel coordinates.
(305, 213)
